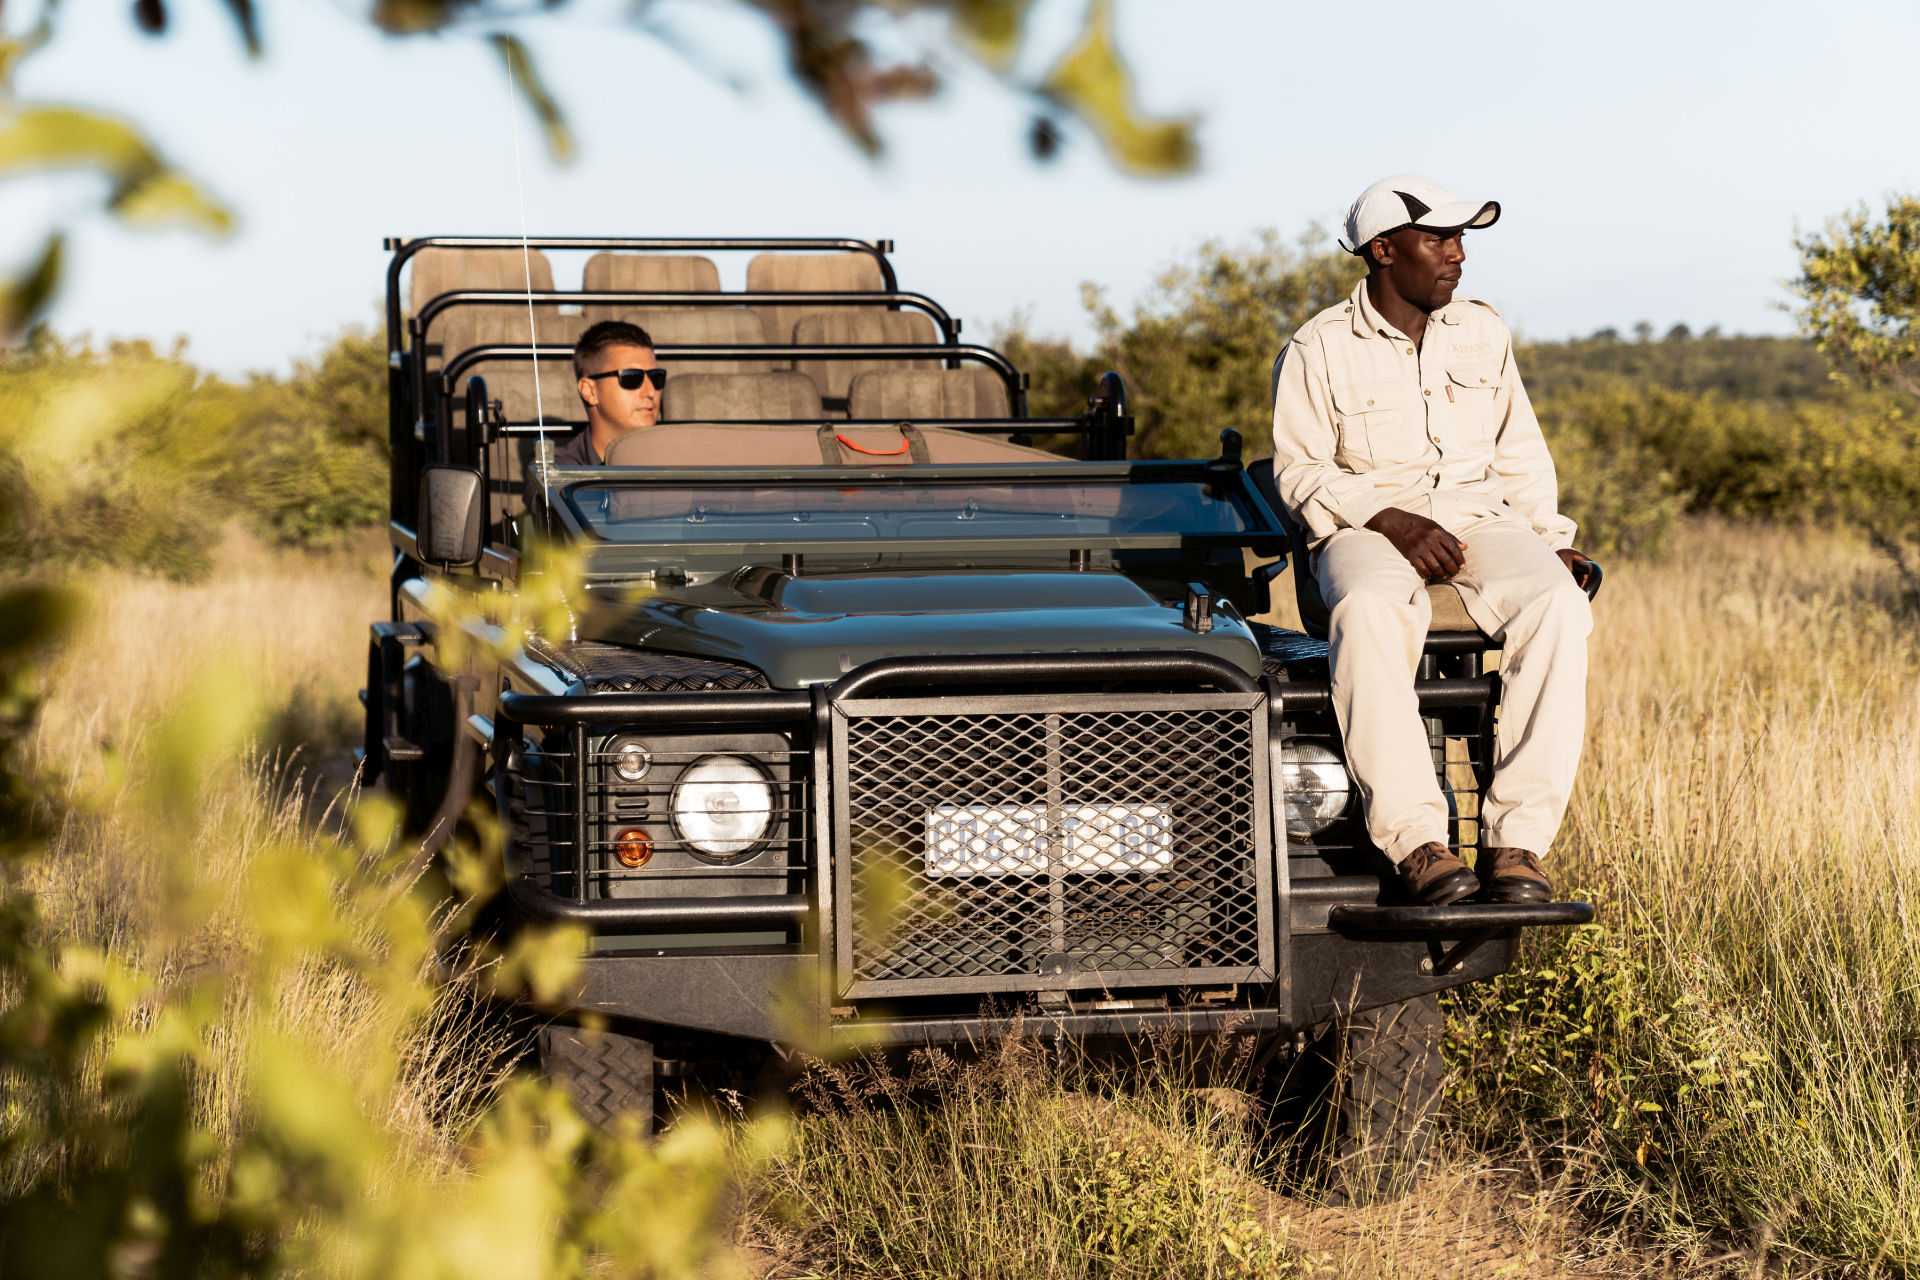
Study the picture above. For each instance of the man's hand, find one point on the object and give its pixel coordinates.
(1577, 565)
(1431, 550)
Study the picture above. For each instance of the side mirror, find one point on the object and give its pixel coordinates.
(451, 501)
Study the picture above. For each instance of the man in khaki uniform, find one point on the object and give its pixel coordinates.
(1405, 446)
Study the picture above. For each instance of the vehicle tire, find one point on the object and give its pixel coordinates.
(1377, 1117)
(608, 1075)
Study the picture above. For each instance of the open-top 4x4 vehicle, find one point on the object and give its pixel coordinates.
(874, 720)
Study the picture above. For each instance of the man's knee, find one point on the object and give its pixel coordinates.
(1559, 604)
(1372, 608)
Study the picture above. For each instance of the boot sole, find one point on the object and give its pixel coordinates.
(1519, 891)
(1449, 889)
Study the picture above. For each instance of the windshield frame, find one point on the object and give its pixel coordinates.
(1264, 533)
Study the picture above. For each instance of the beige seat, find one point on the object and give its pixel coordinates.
(510, 380)
(704, 326)
(739, 444)
(915, 394)
(808, 273)
(736, 397)
(437, 271)
(719, 444)
(858, 327)
(645, 273)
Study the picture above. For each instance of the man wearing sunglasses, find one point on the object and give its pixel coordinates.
(1405, 447)
(619, 383)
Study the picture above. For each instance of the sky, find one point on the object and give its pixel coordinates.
(1654, 161)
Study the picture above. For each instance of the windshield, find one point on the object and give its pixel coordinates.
(1082, 510)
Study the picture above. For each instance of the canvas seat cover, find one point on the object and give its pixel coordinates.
(703, 326)
(720, 444)
(735, 397)
(916, 394)
(741, 444)
(856, 328)
(645, 273)
(808, 273)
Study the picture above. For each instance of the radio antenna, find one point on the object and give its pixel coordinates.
(526, 251)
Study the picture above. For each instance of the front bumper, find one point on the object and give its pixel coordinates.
(1216, 941)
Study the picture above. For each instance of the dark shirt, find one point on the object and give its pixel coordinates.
(576, 451)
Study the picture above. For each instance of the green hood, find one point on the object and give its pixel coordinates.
(816, 628)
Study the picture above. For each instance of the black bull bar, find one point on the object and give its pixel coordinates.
(787, 708)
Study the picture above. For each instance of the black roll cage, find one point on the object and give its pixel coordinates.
(952, 354)
(407, 423)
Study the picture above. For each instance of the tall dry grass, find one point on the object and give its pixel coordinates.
(283, 634)
(1730, 1059)
(1733, 1052)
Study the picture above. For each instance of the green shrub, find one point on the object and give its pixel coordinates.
(123, 455)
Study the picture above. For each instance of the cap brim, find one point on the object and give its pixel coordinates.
(1461, 215)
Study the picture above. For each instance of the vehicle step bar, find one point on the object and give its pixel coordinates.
(1473, 923)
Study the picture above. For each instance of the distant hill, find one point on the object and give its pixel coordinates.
(1782, 370)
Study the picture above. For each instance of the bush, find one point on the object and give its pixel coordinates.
(123, 455)
(1197, 352)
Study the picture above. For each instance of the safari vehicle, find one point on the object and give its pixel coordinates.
(876, 721)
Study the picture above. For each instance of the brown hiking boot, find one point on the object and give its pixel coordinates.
(1514, 875)
(1435, 877)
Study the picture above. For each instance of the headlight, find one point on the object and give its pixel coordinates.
(631, 760)
(722, 806)
(1318, 789)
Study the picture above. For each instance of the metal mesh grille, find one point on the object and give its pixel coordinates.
(1052, 845)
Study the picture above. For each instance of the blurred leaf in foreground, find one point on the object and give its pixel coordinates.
(145, 189)
(527, 79)
(1093, 83)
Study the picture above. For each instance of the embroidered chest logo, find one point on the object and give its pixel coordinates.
(1472, 348)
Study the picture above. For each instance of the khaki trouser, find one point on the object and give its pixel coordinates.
(1522, 595)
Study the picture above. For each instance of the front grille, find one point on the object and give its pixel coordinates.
(1050, 843)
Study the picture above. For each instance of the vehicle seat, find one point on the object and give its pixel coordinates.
(915, 394)
(808, 273)
(1452, 629)
(436, 270)
(740, 397)
(742, 444)
(645, 273)
(705, 326)
(858, 327)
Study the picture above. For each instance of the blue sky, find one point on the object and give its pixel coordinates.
(1653, 160)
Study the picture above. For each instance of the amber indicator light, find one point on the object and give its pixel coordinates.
(633, 847)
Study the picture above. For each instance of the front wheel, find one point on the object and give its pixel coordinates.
(608, 1075)
(1383, 1085)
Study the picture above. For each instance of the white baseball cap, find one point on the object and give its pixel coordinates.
(1409, 200)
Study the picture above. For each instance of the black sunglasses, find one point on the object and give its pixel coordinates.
(630, 379)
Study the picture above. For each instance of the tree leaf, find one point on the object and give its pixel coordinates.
(411, 17)
(1093, 83)
(991, 29)
(168, 197)
(145, 189)
(22, 299)
(520, 66)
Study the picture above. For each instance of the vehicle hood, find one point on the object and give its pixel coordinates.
(815, 628)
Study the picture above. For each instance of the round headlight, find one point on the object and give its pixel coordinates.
(631, 760)
(722, 806)
(1318, 789)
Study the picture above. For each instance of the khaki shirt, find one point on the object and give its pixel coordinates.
(1362, 421)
